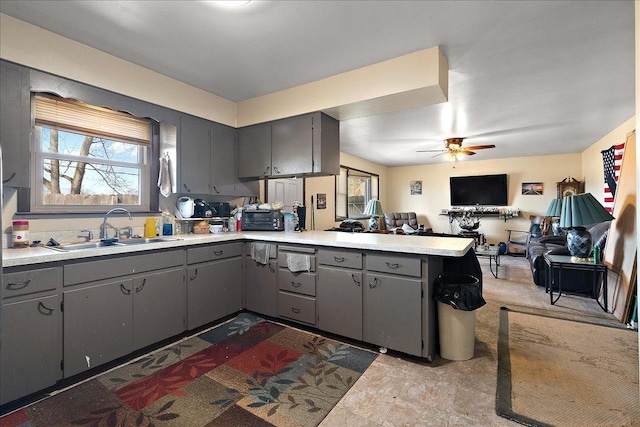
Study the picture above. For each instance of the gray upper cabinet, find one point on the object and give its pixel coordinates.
(195, 155)
(15, 117)
(254, 151)
(307, 145)
(207, 159)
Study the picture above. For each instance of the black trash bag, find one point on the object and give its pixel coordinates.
(460, 291)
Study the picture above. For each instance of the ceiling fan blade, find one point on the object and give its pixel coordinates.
(430, 151)
(479, 147)
(465, 152)
(439, 154)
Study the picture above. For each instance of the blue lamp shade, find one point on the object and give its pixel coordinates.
(578, 211)
(555, 208)
(374, 210)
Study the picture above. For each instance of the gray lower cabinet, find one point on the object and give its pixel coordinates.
(31, 352)
(98, 325)
(159, 307)
(393, 303)
(339, 302)
(297, 289)
(261, 287)
(31, 347)
(117, 305)
(214, 282)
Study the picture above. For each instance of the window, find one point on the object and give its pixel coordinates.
(88, 157)
(354, 189)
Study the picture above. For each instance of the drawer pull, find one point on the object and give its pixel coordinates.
(195, 274)
(393, 265)
(374, 283)
(218, 253)
(44, 309)
(17, 286)
(125, 290)
(144, 281)
(295, 310)
(295, 284)
(273, 270)
(355, 280)
(338, 258)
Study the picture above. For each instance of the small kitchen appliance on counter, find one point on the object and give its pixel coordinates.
(262, 220)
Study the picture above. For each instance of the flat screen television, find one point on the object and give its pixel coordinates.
(480, 190)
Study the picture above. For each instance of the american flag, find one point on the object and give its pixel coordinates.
(612, 160)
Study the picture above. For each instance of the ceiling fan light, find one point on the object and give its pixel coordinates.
(450, 156)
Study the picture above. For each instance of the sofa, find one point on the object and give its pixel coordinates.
(572, 281)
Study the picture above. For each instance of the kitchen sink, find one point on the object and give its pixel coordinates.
(140, 241)
(73, 247)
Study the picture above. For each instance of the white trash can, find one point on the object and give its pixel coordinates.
(457, 329)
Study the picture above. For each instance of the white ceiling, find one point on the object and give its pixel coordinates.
(531, 77)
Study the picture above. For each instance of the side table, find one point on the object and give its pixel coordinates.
(493, 253)
(557, 263)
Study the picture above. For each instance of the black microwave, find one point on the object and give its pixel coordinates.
(262, 220)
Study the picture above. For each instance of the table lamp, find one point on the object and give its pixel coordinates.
(554, 211)
(374, 210)
(578, 211)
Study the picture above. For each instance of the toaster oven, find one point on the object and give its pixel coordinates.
(262, 220)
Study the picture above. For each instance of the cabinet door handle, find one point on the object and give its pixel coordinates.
(355, 280)
(186, 188)
(273, 270)
(266, 171)
(195, 274)
(13, 175)
(16, 286)
(125, 290)
(374, 283)
(215, 189)
(218, 253)
(44, 309)
(295, 284)
(338, 258)
(139, 288)
(393, 265)
(295, 310)
(275, 169)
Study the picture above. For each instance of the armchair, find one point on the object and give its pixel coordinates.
(518, 240)
(398, 219)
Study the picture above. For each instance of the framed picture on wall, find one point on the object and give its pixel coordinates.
(532, 188)
(416, 187)
(322, 201)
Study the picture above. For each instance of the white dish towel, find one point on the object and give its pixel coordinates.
(298, 262)
(164, 177)
(260, 252)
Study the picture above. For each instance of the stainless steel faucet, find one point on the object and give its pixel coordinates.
(89, 235)
(103, 227)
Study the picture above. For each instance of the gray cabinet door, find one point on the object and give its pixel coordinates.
(195, 155)
(15, 117)
(261, 287)
(97, 325)
(159, 307)
(230, 273)
(292, 146)
(31, 352)
(254, 151)
(393, 312)
(339, 301)
(223, 165)
(205, 294)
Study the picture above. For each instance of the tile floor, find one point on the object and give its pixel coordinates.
(401, 391)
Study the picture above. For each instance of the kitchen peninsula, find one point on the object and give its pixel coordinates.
(91, 307)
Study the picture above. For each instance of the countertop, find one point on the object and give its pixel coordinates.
(417, 245)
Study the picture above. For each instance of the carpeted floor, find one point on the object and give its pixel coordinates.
(551, 371)
(246, 372)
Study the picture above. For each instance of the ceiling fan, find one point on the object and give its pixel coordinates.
(453, 149)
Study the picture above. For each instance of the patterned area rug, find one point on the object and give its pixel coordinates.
(552, 372)
(246, 372)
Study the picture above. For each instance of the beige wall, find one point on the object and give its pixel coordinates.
(325, 218)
